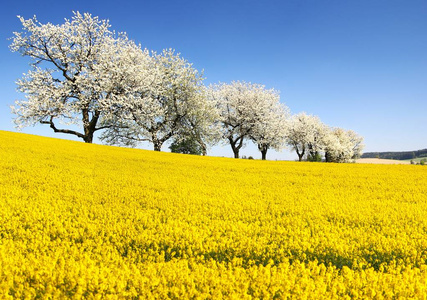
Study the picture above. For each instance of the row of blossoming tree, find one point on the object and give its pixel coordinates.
(85, 75)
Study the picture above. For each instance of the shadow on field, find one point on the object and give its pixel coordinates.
(165, 252)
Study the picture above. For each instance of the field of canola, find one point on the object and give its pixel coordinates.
(93, 221)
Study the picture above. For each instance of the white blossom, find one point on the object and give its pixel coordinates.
(305, 134)
(246, 110)
(173, 103)
(75, 78)
(342, 145)
(269, 131)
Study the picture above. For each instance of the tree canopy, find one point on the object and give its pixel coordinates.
(168, 106)
(86, 76)
(249, 111)
(70, 81)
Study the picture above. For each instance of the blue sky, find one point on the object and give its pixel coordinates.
(359, 65)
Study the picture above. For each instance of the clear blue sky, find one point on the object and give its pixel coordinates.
(358, 65)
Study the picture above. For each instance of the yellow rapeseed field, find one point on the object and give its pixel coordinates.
(98, 222)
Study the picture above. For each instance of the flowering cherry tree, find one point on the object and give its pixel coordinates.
(202, 124)
(305, 134)
(172, 105)
(71, 80)
(269, 131)
(245, 109)
(342, 145)
(356, 142)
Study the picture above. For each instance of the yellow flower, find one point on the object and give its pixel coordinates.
(96, 222)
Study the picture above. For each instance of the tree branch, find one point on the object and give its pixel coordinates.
(67, 131)
(103, 127)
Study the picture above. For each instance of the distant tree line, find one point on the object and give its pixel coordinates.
(88, 76)
(402, 155)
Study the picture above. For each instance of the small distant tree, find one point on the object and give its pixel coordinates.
(314, 157)
(186, 146)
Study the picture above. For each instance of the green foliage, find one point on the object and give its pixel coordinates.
(186, 146)
(315, 157)
(403, 155)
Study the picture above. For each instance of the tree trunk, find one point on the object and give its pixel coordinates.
(264, 154)
(236, 145)
(157, 142)
(235, 149)
(300, 155)
(327, 156)
(89, 131)
(88, 138)
(263, 149)
(157, 146)
(89, 126)
(203, 146)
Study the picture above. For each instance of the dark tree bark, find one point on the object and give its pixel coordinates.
(328, 157)
(89, 126)
(204, 149)
(236, 145)
(264, 154)
(263, 149)
(235, 149)
(157, 144)
(88, 138)
(300, 154)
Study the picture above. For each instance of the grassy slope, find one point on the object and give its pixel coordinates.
(380, 161)
(418, 159)
(82, 220)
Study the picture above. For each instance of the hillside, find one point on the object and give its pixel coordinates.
(381, 161)
(89, 221)
(403, 155)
